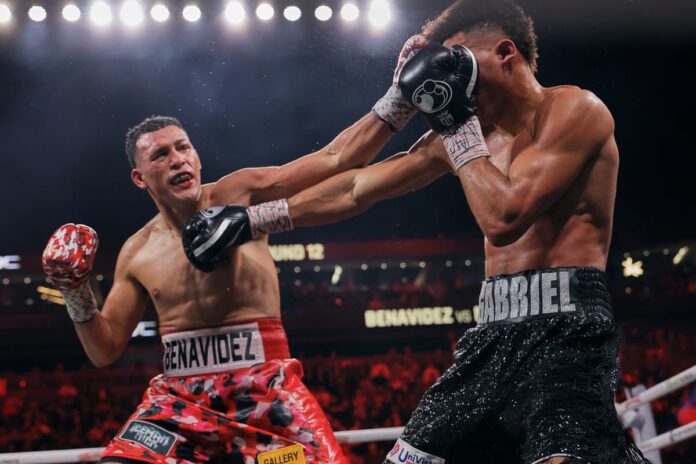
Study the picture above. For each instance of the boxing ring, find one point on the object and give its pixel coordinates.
(627, 410)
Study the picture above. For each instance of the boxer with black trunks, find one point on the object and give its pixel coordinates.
(230, 392)
(534, 381)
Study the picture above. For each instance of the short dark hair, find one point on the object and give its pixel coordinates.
(474, 15)
(150, 124)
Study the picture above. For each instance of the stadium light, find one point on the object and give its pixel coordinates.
(5, 13)
(679, 257)
(632, 268)
(159, 13)
(379, 13)
(264, 11)
(235, 12)
(191, 13)
(350, 12)
(323, 13)
(37, 13)
(292, 13)
(131, 13)
(71, 12)
(336, 277)
(100, 13)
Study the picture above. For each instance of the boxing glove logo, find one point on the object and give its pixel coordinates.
(212, 211)
(432, 96)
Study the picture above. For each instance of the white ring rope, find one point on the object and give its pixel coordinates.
(659, 390)
(392, 433)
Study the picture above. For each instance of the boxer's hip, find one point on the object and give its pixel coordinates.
(223, 349)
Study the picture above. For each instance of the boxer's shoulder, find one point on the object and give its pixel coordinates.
(569, 97)
(567, 109)
(137, 243)
(234, 188)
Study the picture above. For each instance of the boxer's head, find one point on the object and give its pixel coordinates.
(502, 38)
(164, 161)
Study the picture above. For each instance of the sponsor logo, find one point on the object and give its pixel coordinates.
(403, 453)
(213, 350)
(10, 262)
(432, 96)
(145, 329)
(293, 454)
(151, 436)
(517, 297)
(683, 432)
(446, 118)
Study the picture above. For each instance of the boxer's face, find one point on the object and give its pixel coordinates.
(168, 166)
(493, 53)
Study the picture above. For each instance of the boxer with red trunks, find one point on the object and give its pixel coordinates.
(230, 390)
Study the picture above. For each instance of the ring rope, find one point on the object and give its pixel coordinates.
(392, 433)
(659, 390)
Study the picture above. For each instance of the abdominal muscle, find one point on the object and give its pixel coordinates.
(578, 243)
(243, 288)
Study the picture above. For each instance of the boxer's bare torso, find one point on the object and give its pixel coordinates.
(152, 265)
(576, 229)
(243, 287)
(555, 178)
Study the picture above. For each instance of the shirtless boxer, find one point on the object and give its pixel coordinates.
(534, 381)
(230, 391)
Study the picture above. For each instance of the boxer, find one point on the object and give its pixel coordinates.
(229, 391)
(534, 381)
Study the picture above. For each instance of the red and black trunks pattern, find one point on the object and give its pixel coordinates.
(230, 416)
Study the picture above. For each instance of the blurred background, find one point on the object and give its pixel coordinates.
(372, 305)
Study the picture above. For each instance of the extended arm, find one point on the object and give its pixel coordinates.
(354, 147)
(209, 232)
(353, 192)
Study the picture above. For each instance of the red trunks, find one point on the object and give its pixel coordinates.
(195, 412)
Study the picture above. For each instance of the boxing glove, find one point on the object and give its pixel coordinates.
(67, 261)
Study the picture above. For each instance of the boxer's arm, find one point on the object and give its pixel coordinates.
(107, 334)
(569, 133)
(354, 191)
(355, 147)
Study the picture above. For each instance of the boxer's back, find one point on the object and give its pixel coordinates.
(576, 230)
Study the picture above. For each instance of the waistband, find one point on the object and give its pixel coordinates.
(540, 293)
(226, 348)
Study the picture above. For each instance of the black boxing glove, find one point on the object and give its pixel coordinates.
(208, 233)
(441, 83)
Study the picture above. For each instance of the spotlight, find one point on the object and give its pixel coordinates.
(191, 13)
(235, 13)
(379, 13)
(292, 13)
(350, 12)
(131, 13)
(264, 11)
(159, 13)
(37, 13)
(336, 277)
(323, 13)
(71, 12)
(100, 13)
(5, 13)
